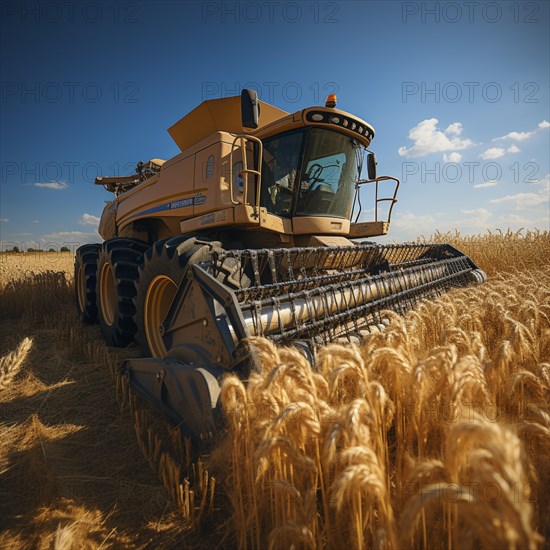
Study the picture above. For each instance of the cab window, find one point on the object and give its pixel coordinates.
(280, 166)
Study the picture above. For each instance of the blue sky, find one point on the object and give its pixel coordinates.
(458, 94)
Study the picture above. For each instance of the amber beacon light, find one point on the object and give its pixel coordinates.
(331, 101)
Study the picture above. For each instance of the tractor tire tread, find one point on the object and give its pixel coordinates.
(125, 257)
(87, 256)
(170, 257)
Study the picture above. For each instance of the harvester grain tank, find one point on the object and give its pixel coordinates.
(252, 229)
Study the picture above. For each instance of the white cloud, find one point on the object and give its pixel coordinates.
(66, 237)
(429, 139)
(57, 185)
(88, 219)
(485, 184)
(4, 220)
(409, 226)
(515, 136)
(493, 153)
(514, 211)
(453, 157)
(454, 128)
(498, 152)
(65, 234)
(521, 136)
(36, 221)
(471, 221)
(479, 212)
(514, 219)
(522, 200)
(413, 223)
(545, 181)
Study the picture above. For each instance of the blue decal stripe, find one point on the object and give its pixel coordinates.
(151, 210)
(182, 203)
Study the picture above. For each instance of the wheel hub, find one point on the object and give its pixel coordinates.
(81, 288)
(160, 295)
(107, 295)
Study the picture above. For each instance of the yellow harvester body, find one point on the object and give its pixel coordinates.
(251, 230)
(213, 183)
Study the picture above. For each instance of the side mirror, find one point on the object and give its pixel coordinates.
(250, 108)
(371, 166)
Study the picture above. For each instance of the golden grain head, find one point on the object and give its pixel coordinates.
(440, 420)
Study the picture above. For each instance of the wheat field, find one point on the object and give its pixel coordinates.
(432, 434)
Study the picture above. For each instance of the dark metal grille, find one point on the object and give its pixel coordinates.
(324, 293)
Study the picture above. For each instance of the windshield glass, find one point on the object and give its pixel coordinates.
(329, 173)
(281, 162)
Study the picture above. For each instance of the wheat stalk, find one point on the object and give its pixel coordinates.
(11, 363)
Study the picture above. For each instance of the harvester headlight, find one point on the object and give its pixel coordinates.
(353, 125)
(345, 123)
(335, 120)
(317, 117)
(360, 129)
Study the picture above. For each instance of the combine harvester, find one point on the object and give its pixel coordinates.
(252, 230)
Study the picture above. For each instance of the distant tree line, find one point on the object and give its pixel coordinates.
(16, 249)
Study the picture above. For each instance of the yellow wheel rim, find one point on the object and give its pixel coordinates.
(160, 295)
(107, 294)
(81, 288)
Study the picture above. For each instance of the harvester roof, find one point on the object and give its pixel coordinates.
(217, 115)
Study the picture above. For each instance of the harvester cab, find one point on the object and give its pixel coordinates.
(253, 229)
(311, 172)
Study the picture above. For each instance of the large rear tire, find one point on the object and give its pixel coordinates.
(159, 278)
(85, 268)
(117, 273)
